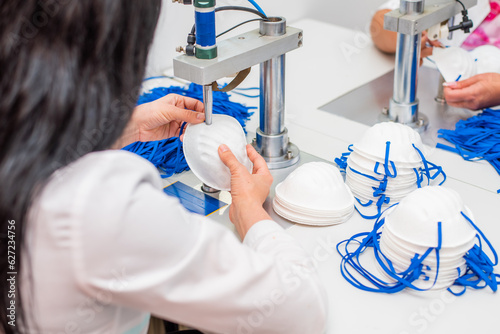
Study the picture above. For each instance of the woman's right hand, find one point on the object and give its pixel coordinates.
(248, 191)
(477, 92)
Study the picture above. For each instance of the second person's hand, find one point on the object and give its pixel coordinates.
(477, 92)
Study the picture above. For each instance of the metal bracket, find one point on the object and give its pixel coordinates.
(236, 54)
(434, 11)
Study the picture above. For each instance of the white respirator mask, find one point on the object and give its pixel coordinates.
(201, 144)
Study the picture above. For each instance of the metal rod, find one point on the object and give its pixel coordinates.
(271, 138)
(440, 94)
(272, 92)
(405, 73)
(404, 104)
(208, 103)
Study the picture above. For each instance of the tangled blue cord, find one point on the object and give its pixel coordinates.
(476, 138)
(478, 275)
(167, 155)
(379, 192)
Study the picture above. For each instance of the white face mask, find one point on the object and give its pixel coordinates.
(487, 58)
(415, 218)
(316, 185)
(314, 194)
(428, 241)
(373, 144)
(385, 165)
(454, 63)
(201, 144)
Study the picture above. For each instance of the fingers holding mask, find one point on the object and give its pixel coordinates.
(259, 164)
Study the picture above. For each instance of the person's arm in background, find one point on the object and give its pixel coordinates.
(386, 40)
(478, 92)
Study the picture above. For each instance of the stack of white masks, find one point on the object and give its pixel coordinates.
(384, 166)
(428, 227)
(314, 194)
(456, 64)
(201, 144)
(428, 241)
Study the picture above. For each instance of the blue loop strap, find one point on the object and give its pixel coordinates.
(427, 170)
(478, 275)
(430, 171)
(476, 138)
(387, 162)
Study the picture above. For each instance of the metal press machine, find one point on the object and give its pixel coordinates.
(266, 46)
(409, 21)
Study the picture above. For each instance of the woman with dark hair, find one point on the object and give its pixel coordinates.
(89, 241)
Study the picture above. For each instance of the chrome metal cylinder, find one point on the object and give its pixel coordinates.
(274, 26)
(404, 104)
(405, 72)
(440, 94)
(208, 102)
(272, 93)
(410, 7)
(272, 137)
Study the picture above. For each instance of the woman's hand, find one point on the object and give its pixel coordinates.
(386, 40)
(248, 191)
(161, 119)
(477, 92)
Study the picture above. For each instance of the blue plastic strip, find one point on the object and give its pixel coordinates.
(476, 138)
(194, 200)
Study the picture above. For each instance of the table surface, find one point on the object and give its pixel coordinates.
(333, 62)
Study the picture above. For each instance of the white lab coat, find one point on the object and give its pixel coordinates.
(108, 248)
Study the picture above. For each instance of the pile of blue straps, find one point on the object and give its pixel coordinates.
(429, 171)
(476, 138)
(167, 155)
(479, 273)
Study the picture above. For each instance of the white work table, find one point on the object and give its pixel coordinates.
(319, 72)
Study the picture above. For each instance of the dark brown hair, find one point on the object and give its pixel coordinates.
(70, 71)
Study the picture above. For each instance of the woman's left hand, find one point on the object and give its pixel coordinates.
(161, 119)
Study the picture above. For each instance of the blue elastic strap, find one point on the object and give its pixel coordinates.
(427, 170)
(479, 273)
(379, 191)
(476, 138)
(366, 175)
(387, 161)
(350, 259)
(342, 161)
